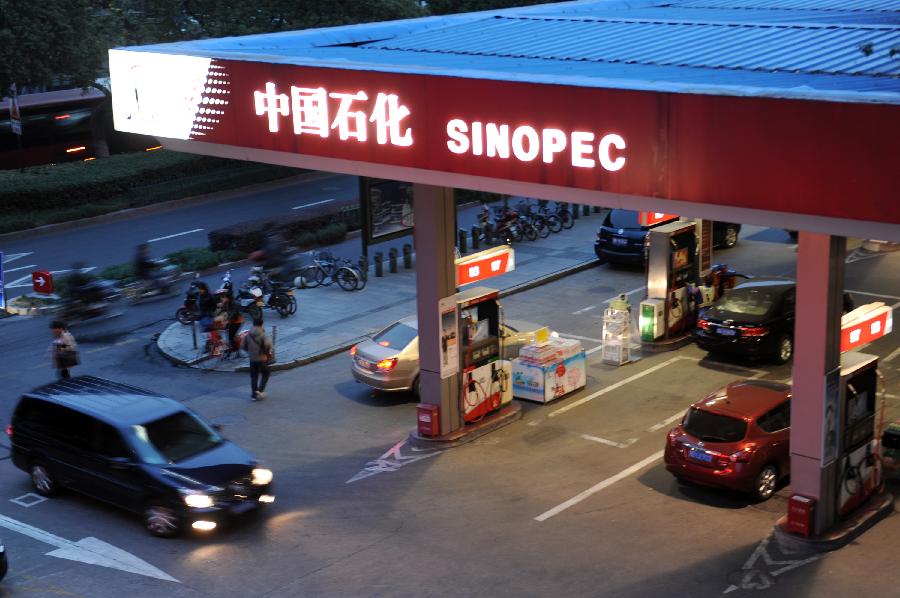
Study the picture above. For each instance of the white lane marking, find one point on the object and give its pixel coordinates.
(619, 384)
(872, 294)
(187, 232)
(891, 357)
(631, 292)
(755, 578)
(594, 350)
(598, 487)
(25, 281)
(583, 309)
(87, 550)
(581, 338)
(612, 443)
(666, 422)
(315, 203)
(19, 268)
(28, 500)
(15, 256)
(392, 460)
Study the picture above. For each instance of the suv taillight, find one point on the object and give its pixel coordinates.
(754, 331)
(386, 365)
(744, 455)
(703, 324)
(9, 430)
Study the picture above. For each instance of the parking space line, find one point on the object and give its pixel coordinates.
(598, 487)
(629, 293)
(612, 443)
(594, 350)
(666, 422)
(581, 338)
(893, 354)
(619, 384)
(584, 309)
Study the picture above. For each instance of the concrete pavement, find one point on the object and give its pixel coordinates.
(330, 320)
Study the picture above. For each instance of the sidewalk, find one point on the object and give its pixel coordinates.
(330, 320)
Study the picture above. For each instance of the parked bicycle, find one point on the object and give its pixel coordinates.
(528, 212)
(326, 269)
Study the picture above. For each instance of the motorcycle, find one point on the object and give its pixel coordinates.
(508, 225)
(160, 283)
(190, 310)
(91, 300)
(274, 294)
(249, 296)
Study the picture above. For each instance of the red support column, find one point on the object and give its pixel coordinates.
(817, 336)
(435, 212)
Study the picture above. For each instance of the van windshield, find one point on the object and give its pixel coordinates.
(173, 438)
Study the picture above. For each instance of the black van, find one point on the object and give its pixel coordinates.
(137, 450)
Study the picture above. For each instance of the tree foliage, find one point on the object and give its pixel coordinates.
(446, 7)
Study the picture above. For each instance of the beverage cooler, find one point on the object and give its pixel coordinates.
(547, 371)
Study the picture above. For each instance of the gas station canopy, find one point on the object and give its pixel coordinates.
(780, 113)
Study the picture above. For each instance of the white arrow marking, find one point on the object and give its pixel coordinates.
(15, 256)
(88, 550)
(747, 582)
(392, 460)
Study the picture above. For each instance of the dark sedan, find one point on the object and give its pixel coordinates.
(621, 237)
(753, 319)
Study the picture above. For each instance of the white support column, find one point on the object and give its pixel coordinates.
(817, 356)
(435, 278)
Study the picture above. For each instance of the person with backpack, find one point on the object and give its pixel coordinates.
(63, 349)
(261, 353)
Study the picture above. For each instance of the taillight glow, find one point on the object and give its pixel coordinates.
(754, 331)
(62, 116)
(9, 430)
(703, 324)
(150, 149)
(744, 455)
(384, 343)
(78, 148)
(386, 365)
(353, 351)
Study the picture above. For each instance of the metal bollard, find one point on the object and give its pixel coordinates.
(597, 209)
(574, 210)
(392, 260)
(488, 233)
(379, 264)
(363, 264)
(463, 247)
(407, 256)
(194, 332)
(585, 210)
(476, 237)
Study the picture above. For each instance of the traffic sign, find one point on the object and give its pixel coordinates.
(42, 281)
(484, 264)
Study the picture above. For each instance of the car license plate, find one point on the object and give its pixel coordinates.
(726, 331)
(620, 241)
(363, 363)
(700, 455)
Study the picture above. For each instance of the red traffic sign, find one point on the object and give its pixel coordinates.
(484, 264)
(865, 324)
(42, 281)
(651, 218)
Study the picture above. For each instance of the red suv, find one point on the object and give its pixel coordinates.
(737, 437)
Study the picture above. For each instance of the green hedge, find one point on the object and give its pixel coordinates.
(318, 225)
(62, 192)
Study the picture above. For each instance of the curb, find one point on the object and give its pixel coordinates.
(877, 508)
(335, 349)
(505, 416)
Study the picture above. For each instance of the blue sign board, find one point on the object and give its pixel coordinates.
(2, 295)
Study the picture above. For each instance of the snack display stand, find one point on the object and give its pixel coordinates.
(549, 370)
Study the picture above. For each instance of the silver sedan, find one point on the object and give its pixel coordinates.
(389, 360)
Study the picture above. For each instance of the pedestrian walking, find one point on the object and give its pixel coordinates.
(63, 349)
(261, 353)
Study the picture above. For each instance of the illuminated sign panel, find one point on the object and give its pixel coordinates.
(485, 264)
(865, 324)
(736, 151)
(651, 218)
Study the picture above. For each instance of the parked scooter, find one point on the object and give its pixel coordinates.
(275, 294)
(507, 224)
(249, 296)
(190, 310)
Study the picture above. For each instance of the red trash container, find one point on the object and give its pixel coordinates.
(800, 515)
(428, 419)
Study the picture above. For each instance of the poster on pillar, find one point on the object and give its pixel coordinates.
(449, 340)
(830, 419)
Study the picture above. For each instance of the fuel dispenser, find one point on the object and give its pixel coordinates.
(485, 378)
(858, 460)
(672, 272)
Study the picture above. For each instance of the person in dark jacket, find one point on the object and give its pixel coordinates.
(231, 317)
(206, 306)
(261, 351)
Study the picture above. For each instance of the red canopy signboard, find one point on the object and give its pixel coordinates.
(736, 151)
(484, 264)
(651, 218)
(865, 324)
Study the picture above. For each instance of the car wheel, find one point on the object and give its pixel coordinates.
(183, 316)
(161, 521)
(766, 481)
(43, 482)
(784, 350)
(731, 237)
(415, 388)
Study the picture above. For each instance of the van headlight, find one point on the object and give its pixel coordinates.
(261, 476)
(197, 500)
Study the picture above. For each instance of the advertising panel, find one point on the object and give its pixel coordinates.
(485, 264)
(449, 340)
(387, 207)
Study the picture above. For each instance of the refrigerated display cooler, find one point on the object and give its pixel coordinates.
(548, 371)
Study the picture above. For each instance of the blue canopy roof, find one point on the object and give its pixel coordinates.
(829, 50)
